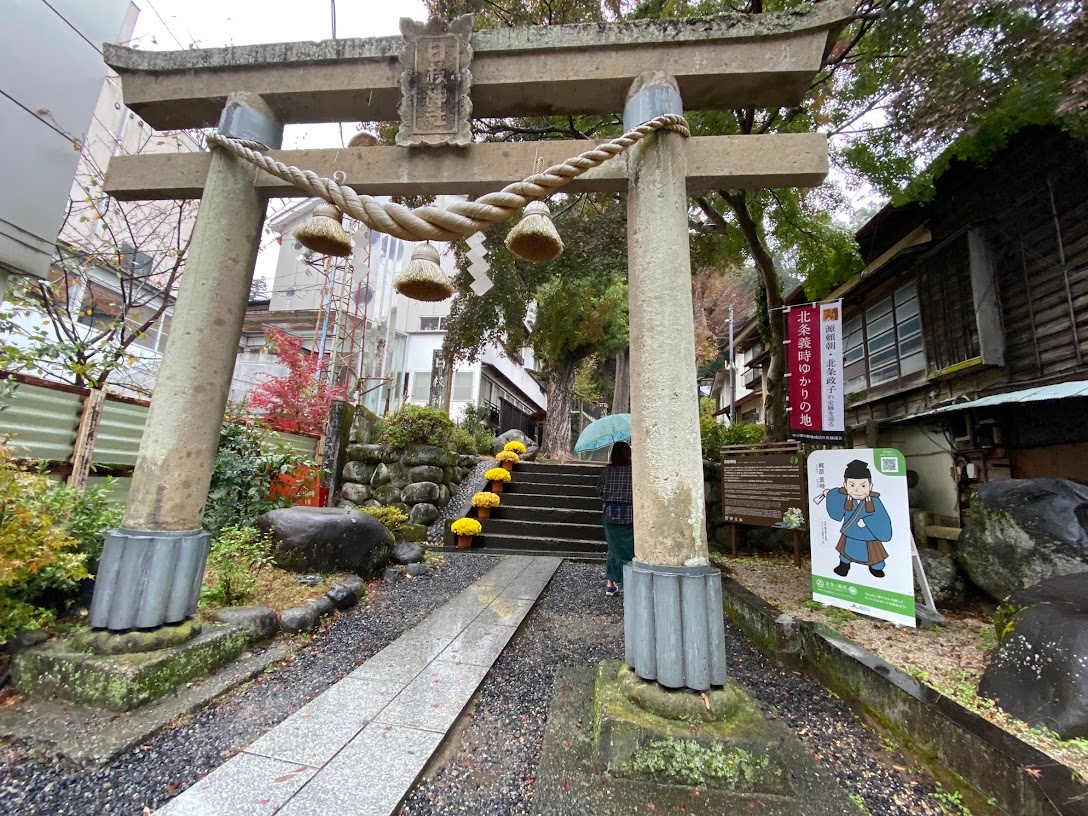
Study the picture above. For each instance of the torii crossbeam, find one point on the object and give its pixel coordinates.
(152, 568)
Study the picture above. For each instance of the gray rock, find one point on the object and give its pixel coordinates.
(391, 455)
(326, 539)
(443, 496)
(321, 605)
(354, 583)
(458, 476)
(373, 503)
(420, 492)
(467, 461)
(371, 454)
(308, 580)
(359, 472)
(400, 475)
(381, 476)
(342, 597)
(416, 570)
(447, 475)
(413, 532)
(259, 622)
(387, 494)
(945, 581)
(344, 504)
(405, 553)
(391, 575)
(355, 493)
(1038, 671)
(401, 506)
(24, 639)
(366, 426)
(426, 473)
(1022, 531)
(531, 448)
(426, 455)
(297, 620)
(423, 514)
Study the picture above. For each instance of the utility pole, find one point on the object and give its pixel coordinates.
(732, 372)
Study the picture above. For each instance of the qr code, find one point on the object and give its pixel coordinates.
(889, 464)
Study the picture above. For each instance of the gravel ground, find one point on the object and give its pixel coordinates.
(472, 483)
(491, 767)
(174, 759)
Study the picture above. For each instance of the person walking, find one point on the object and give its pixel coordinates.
(614, 490)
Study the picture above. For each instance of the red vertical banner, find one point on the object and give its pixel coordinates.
(815, 366)
(806, 415)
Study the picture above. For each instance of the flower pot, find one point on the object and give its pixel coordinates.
(483, 512)
(464, 542)
(508, 465)
(496, 487)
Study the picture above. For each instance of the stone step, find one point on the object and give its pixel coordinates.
(538, 544)
(592, 557)
(527, 488)
(546, 502)
(544, 529)
(554, 468)
(531, 476)
(557, 515)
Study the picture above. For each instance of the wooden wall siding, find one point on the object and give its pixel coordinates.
(948, 312)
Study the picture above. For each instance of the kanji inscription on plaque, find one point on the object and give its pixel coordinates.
(435, 82)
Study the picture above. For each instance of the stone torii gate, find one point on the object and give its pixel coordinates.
(152, 567)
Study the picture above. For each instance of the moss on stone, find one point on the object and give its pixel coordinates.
(138, 640)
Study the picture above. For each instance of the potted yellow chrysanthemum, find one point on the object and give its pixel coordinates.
(498, 477)
(514, 447)
(507, 459)
(483, 502)
(465, 529)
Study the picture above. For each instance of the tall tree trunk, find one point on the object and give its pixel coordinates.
(560, 387)
(621, 397)
(777, 427)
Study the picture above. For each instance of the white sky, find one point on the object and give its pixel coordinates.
(170, 25)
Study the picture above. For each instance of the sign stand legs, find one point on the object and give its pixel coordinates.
(927, 613)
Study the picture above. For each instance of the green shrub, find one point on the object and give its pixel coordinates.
(392, 517)
(237, 556)
(476, 419)
(38, 556)
(462, 441)
(415, 425)
(88, 514)
(714, 434)
(250, 459)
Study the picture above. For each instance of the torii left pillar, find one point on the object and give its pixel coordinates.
(151, 568)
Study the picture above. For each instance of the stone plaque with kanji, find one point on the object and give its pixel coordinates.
(435, 82)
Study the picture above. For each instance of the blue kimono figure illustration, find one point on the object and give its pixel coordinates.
(866, 525)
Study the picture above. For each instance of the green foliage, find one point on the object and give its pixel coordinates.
(587, 381)
(88, 514)
(715, 434)
(38, 555)
(1005, 619)
(692, 763)
(415, 425)
(250, 459)
(393, 518)
(236, 557)
(476, 420)
(462, 441)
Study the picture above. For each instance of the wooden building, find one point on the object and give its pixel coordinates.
(966, 334)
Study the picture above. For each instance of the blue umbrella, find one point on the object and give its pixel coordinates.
(604, 432)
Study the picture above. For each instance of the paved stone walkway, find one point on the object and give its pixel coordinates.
(356, 749)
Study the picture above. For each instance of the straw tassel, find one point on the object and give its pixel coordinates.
(535, 237)
(423, 279)
(323, 233)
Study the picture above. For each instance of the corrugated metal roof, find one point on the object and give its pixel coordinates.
(1057, 391)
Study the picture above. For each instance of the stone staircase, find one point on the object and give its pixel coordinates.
(547, 509)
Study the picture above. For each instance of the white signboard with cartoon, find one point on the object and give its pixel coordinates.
(859, 528)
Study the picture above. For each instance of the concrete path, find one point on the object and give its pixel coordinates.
(356, 749)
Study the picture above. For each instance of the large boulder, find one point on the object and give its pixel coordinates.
(424, 513)
(945, 581)
(355, 493)
(420, 492)
(426, 455)
(328, 539)
(1024, 530)
(531, 447)
(1038, 672)
(400, 475)
(370, 454)
(381, 476)
(366, 427)
(387, 494)
(358, 472)
(427, 473)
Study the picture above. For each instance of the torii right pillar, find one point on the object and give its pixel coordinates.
(674, 628)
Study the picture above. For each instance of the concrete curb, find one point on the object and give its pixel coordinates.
(957, 745)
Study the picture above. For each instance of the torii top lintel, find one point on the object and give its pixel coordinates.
(719, 62)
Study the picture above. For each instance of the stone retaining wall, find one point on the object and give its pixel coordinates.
(995, 771)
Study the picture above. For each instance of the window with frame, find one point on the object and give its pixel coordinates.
(421, 387)
(462, 386)
(884, 343)
(432, 323)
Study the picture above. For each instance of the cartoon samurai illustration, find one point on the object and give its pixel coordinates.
(866, 525)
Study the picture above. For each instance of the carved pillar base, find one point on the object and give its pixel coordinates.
(147, 579)
(674, 625)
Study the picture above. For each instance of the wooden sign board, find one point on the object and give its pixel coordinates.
(759, 484)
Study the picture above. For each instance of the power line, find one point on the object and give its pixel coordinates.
(155, 11)
(69, 24)
(39, 117)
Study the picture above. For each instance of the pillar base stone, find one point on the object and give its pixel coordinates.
(148, 578)
(674, 625)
